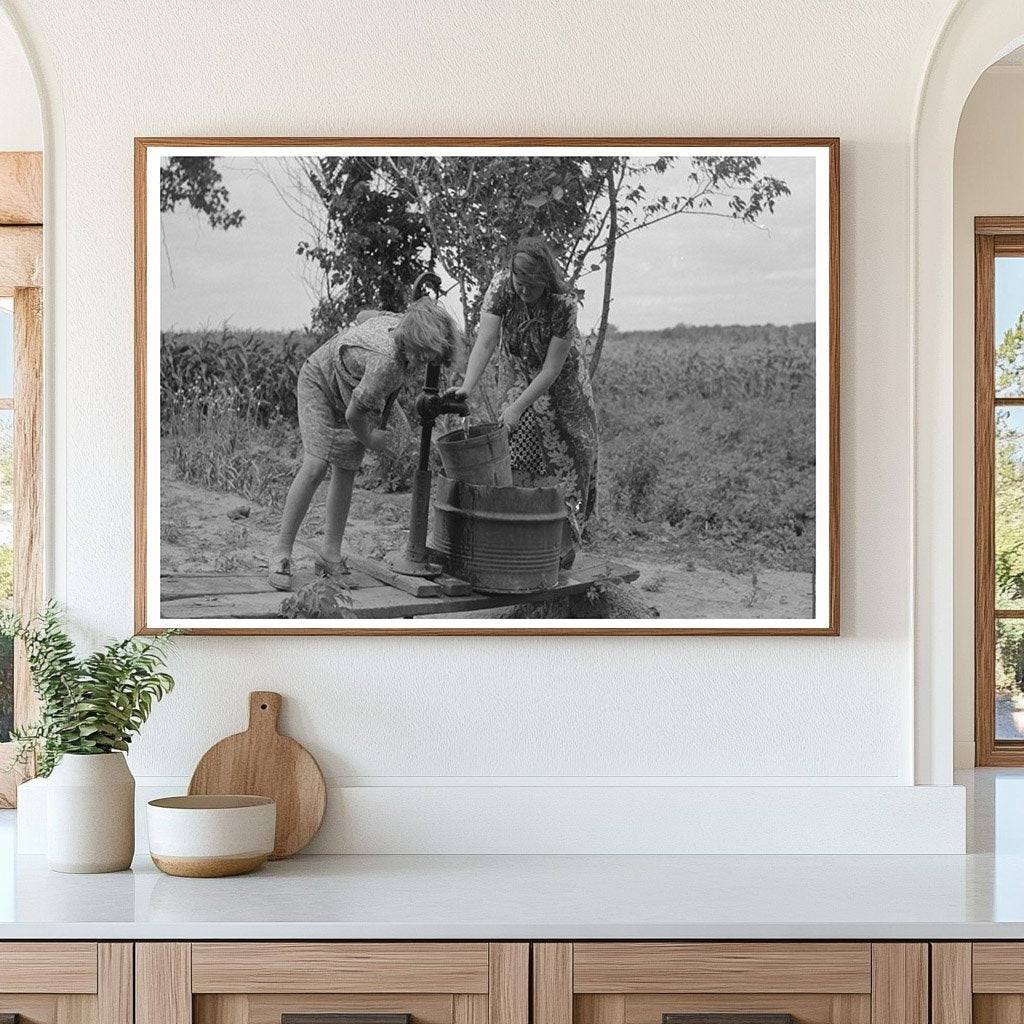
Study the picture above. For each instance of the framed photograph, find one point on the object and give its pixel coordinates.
(487, 386)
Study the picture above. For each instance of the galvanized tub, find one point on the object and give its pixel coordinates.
(479, 455)
(503, 540)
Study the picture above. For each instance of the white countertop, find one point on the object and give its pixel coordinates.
(532, 897)
(977, 896)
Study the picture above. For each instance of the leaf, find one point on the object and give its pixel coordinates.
(536, 201)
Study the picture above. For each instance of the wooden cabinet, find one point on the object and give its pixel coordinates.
(260, 982)
(980, 982)
(650, 982)
(66, 982)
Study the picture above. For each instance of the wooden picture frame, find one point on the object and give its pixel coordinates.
(825, 578)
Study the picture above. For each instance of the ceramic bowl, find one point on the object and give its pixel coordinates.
(211, 836)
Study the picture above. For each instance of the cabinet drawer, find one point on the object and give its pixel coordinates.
(630, 967)
(340, 967)
(262, 982)
(737, 982)
(66, 982)
(48, 967)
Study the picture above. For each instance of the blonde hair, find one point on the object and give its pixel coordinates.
(427, 334)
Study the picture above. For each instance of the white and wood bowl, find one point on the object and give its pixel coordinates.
(211, 836)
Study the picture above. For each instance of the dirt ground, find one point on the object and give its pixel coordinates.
(203, 531)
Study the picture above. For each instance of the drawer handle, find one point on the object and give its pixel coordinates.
(728, 1018)
(340, 1018)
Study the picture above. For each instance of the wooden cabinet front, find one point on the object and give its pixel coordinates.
(737, 982)
(304, 982)
(66, 982)
(979, 982)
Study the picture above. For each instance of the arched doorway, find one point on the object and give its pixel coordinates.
(976, 33)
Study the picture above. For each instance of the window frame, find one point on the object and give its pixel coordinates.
(21, 261)
(993, 237)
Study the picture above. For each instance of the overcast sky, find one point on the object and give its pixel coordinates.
(689, 269)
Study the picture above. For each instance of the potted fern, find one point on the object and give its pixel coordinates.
(89, 710)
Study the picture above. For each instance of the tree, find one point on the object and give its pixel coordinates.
(371, 245)
(196, 182)
(462, 213)
(1009, 471)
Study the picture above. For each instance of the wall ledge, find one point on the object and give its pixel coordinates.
(600, 819)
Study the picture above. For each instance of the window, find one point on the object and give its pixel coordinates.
(999, 490)
(21, 366)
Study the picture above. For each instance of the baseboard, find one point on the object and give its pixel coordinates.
(599, 819)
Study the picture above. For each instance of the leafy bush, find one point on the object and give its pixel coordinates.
(91, 705)
(635, 479)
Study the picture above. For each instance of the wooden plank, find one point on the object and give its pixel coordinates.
(997, 967)
(28, 482)
(552, 983)
(467, 1009)
(21, 188)
(32, 1009)
(339, 967)
(21, 257)
(851, 1009)
(999, 225)
(452, 587)
(27, 500)
(163, 983)
(115, 983)
(508, 992)
(224, 1009)
(816, 1008)
(200, 595)
(951, 984)
(269, 1008)
(984, 502)
(899, 983)
(417, 586)
(76, 1009)
(48, 967)
(600, 1009)
(722, 967)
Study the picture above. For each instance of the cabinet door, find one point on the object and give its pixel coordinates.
(980, 982)
(332, 983)
(66, 982)
(737, 982)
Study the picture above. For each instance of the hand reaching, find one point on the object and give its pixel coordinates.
(510, 417)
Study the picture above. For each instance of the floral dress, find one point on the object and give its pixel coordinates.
(360, 364)
(557, 435)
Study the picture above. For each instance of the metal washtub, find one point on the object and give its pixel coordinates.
(504, 540)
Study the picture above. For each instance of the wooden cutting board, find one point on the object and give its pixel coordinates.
(262, 762)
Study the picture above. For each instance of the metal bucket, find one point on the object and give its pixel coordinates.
(477, 456)
(504, 540)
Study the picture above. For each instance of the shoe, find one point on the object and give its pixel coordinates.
(279, 572)
(326, 569)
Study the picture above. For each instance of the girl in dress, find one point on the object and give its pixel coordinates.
(346, 395)
(529, 316)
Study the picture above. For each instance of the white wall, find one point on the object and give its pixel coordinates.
(444, 713)
(988, 181)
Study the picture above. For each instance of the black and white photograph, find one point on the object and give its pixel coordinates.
(429, 386)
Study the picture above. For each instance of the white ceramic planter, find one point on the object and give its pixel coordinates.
(90, 814)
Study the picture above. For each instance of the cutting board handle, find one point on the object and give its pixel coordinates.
(264, 710)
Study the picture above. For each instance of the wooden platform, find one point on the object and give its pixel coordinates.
(218, 595)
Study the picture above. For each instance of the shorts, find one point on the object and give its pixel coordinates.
(326, 434)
